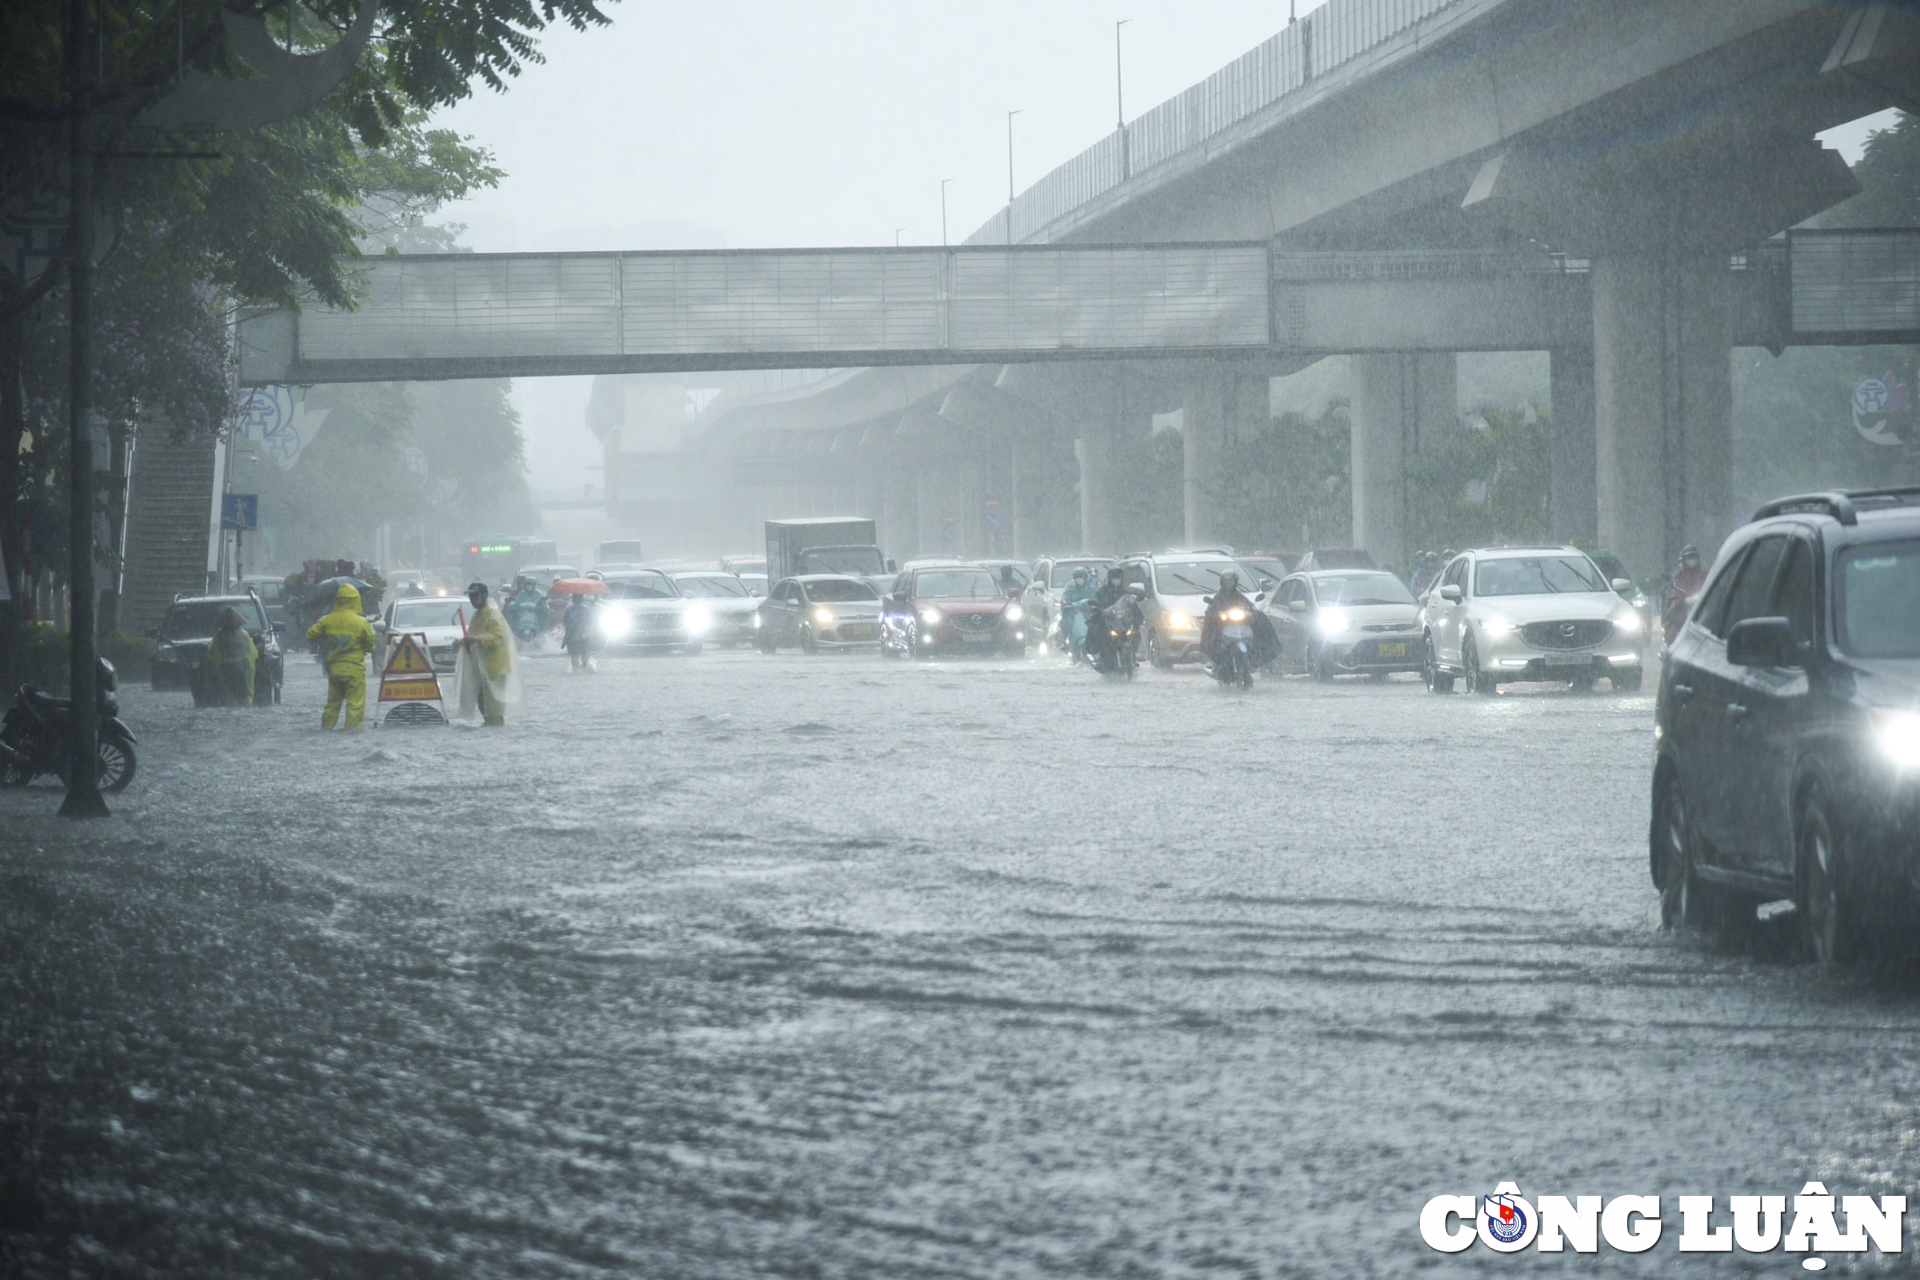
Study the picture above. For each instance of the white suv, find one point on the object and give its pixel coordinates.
(1528, 613)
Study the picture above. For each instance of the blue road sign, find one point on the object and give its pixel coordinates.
(240, 511)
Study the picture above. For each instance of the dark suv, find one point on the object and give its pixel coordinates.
(181, 640)
(1788, 724)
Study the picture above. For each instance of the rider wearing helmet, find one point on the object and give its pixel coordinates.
(1683, 588)
(1266, 645)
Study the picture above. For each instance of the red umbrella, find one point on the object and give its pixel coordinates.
(578, 587)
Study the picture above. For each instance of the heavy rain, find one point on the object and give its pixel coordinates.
(903, 641)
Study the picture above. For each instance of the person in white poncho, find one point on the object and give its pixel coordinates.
(488, 674)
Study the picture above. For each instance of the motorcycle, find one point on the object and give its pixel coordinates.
(1234, 663)
(1119, 648)
(1070, 631)
(33, 736)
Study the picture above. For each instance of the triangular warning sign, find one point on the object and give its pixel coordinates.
(408, 659)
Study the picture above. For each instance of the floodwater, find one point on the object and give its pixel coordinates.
(743, 966)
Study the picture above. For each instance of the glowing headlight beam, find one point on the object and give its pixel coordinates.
(698, 620)
(1334, 621)
(1495, 626)
(931, 617)
(614, 623)
(1015, 613)
(1628, 625)
(823, 616)
(1898, 736)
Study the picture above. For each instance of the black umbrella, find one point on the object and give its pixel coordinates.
(322, 595)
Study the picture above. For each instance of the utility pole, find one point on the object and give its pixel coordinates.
(1120, 102)
(943, 211)
(83, 798)
(1010, 116)
(896, 236)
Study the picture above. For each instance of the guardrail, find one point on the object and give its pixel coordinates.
(1307, 54)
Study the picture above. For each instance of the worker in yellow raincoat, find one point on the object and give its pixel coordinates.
(489, 681)
(346, 641)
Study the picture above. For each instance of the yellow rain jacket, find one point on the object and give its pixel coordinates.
(488, 630)
(346, 640)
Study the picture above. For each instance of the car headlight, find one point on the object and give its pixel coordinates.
(1627, 625)
(1179, 621)
(1639, 601)
(614, 623)
(824, 616)
(931, 617)
(1497, 626)
(1015, 613)
(1334, 621)
(1898, 734)
(697, 619)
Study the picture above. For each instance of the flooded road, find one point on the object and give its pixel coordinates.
(751, 966)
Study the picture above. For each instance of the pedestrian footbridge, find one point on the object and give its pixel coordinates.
(518, 315)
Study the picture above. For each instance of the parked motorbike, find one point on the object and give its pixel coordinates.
(1233, 662)
(33, 736)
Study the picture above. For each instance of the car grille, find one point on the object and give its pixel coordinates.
(1391, 626)
(656, 622)
(1579, 634)
(975, 621)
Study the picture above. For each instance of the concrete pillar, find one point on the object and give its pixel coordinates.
(1663, 404)
(1570, 448)
(1203, 441)
(1400, 400)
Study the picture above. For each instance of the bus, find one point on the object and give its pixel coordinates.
(495, 558)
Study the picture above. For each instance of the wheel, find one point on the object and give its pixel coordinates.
(1155, 654)
(766, 641)
(1828, 928)
(1438, 681)
(1626, 681)
(14, 775)
(808, 642)
(1683, 897)
(1476, 679)
(116, 764)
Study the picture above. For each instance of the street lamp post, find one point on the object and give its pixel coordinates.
(1010, 116)
(83, 798)
(1120, 102)
(943, 211)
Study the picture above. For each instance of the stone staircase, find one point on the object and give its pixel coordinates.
(169, 506)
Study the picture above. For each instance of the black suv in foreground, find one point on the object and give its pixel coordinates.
(1788, 725)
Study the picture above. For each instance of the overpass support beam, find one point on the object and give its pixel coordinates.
(1400, 400)
(1663, 404)
(1570, 447)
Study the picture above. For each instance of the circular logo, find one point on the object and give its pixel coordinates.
(1567, 630)
(1506, 1218)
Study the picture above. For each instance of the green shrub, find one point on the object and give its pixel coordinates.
(131, 655)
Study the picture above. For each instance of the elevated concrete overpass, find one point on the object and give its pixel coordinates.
(1656, 141)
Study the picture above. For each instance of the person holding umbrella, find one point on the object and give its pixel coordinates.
(346, 642)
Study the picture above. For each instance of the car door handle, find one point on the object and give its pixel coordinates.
(1736, 711)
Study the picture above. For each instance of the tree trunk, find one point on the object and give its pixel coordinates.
(13, 524)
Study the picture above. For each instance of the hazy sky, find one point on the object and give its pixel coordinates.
(775, 123)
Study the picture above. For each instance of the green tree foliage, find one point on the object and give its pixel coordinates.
(1488, 482)
(1290, 483)
(1889, 174)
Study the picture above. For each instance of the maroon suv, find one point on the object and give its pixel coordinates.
(950, 608)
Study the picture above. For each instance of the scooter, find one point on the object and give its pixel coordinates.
(1234, 666)
(33, 736)
(1119, 648)
(1070, 631)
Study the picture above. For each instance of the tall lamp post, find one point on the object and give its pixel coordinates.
(943, 211)
(83, 799)
(1120, 103)
(1010, 116)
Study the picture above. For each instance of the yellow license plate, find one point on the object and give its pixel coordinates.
(1393, 649)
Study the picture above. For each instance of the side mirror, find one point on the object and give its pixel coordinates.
(1451, 593)
(1297, 606)
(1762, 642)
(1138, 589)
(1622, 584)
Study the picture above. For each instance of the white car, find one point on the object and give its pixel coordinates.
(436, 619)
(1528, 613)
(646, 611)
(727, 601)
(1345, 621)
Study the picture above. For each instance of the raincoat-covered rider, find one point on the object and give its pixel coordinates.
(1682, 589)
(1266, 645)
(1073, 619)
(489, 680)
(1111, 592)
(233, 654)
(346, 642)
